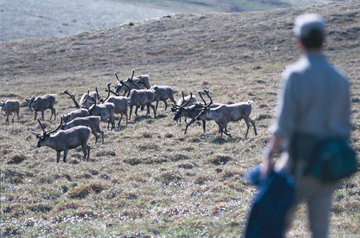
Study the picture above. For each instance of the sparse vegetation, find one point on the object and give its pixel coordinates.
(149, 179)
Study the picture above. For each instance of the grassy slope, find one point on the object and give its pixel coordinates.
(197, 6)
(149, 179)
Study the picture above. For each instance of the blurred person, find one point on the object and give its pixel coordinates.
(314, 102)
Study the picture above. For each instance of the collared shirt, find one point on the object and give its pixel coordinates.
(314, 100)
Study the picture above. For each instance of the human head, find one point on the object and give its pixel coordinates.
(309, 29)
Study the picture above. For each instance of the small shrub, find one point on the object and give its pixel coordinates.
(85, 190)
(263, 117)
(105, 176)
(148, 146)
(84, 176)
(169, 135)
(201, 179)
(16, 159)
(218, 170)
(46, 179)
(130, 196)
(194, 140)
(94, 172)
(220, 159)
(180, 157)
(74, 161)
(85, 214)
(147, 135)
(10, 231)
(40, 208)
(66, 176)
(221, 207)
(68, 205)
(12, 176)
(155, 160)
(133, 161)
(168, 177)
(185, 166)
(105, 153)
(64, 188)
(232, 173)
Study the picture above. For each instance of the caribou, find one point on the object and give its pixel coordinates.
(191, 111)
(64, 140)
(9, 106)
(141, 81)
(226, 113)
(41, 104)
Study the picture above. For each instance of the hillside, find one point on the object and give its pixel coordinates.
(46, 18)
(149, 179)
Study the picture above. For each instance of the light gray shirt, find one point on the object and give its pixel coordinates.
(314, 100)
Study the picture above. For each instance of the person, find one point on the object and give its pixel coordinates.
(314, 101)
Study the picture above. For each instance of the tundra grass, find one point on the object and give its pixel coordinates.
(149, 179)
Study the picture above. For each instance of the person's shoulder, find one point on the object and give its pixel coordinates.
(293, 70)
(297, 66)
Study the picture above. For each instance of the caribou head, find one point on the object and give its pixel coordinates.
(45, 135)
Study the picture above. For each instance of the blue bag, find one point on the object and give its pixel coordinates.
(270, 205)
(334, 160)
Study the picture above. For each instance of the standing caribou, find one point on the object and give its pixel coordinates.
(226, 113)
(191, 111)
(64, 140)
(84, 101)
(120, 103)
(104, 110)
(141, 81)
(79, 112)
(93, 122)
(140, 97)
(9, 106)
(163, 93)
(41, 104)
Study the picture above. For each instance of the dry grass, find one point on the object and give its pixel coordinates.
(149, 179)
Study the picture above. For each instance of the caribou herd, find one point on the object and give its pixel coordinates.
(75, 127)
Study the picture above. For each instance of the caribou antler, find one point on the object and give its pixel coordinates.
(107, 90)
(132, 74)
(202, 98)
(72, 97)
(133, 83)
(34, 133)
(117, 77)
(97, 93)
(207, 93)
(41, 125)
(53, 131)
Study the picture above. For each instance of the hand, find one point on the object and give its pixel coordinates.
(267, 167)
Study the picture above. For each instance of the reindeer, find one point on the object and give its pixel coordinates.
(64, 140)
(191, 111)
(82, 112)
(163, 93)
(182, 101)
(84, 101)
(141, 81)
(120, 103)
(79, 112)
(224, 114)
(140, 97)
(41, 104)
(93, 122)
(9, 106)
(105, 111)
